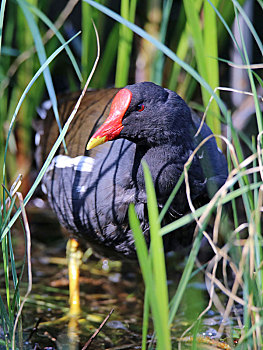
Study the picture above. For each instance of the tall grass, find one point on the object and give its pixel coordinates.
(189, 65)
(10, 304)
(245, 261)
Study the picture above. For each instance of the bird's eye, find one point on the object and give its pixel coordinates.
(140, 107)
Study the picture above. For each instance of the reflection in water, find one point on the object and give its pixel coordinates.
(73, 333)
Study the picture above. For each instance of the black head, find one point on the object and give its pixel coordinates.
(146, 113)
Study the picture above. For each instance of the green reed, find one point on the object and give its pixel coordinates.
(185, 59)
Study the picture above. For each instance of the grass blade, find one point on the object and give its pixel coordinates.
(47, 21)
(159, 61)
(251, 79)
(185, 277)
(211, 54)
(125, 43)
(145, 264)
(195, 27)
(4, 314)
(86, 47)
(186, 219)
(42, 58)
(28, 254)
(141, 247)
(250, 26)
(108, 59)
(169, 53)
(2, 14)
(205, 46)
(63, 132)
(158, 261)
(37, 74)
(227, 28)
(146, 314)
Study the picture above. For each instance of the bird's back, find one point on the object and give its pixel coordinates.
(91, 114)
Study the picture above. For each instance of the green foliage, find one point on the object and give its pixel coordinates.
(184, 57)
(11, 303)
(153, 265)
(125, 43)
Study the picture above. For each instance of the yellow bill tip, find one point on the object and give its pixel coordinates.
(96, 141)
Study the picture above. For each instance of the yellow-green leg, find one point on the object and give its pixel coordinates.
(74, 256)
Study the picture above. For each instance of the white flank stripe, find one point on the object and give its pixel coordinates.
(80, 163)
(43, 109)
(37, 139)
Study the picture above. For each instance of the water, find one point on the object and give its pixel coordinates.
(104, 286)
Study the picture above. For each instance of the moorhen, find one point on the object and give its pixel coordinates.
(90, 190)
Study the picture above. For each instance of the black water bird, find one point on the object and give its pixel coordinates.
(90, 193)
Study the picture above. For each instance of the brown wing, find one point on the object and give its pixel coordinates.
(92, 112)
